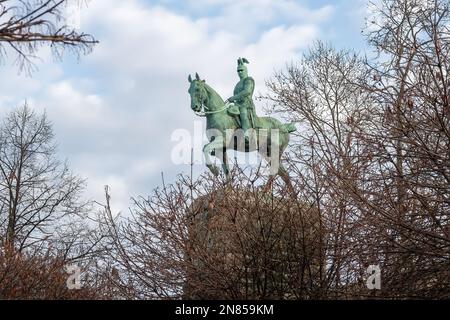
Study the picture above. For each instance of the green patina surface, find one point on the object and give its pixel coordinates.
(238, 112)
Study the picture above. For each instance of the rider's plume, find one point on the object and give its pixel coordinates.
(241, 61)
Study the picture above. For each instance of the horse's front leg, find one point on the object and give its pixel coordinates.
(225, 166)
(217, 146)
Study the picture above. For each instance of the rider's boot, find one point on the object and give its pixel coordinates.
(245, 123)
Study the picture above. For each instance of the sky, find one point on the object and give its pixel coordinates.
(116, 111)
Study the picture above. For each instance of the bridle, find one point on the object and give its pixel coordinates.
(209, 112)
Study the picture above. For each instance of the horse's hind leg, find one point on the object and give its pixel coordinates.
(269, 183)
(283, 173)
(281, 170)
(225, 166)
(286, 178)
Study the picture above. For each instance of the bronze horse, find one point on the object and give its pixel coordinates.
(270, 137)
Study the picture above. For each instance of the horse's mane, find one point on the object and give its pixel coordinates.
(214, 92)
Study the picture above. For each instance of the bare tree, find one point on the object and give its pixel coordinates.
(44, 274)
(370, 167)
(374, 150)
(45, 225)
(231, 240)
(410, 141)
(323, 95)
(26, 25)
(38, 193)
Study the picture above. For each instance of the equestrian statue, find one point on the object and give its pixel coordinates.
(234, 125)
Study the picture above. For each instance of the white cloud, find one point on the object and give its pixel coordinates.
(245, 17)
(114, 113)
(142, 42)
(66, 102)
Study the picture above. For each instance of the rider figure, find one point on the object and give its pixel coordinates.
(242, 97)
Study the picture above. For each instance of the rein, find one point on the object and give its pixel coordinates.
(207, 113)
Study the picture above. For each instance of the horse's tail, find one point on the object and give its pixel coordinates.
(289, 127)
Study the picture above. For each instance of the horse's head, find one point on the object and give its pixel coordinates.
(197, 91)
